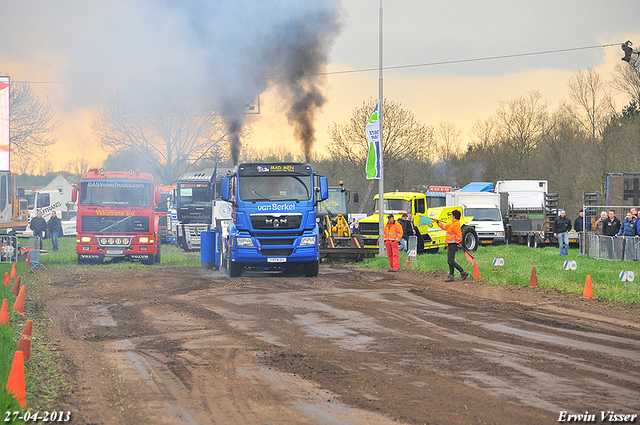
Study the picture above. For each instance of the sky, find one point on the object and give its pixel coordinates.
(79, 55)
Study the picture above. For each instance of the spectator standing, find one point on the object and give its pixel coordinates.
(562, 228)
(599, 225)
(578, 225)
(38, 225)
(454, 241)
(628, 226)
(55, 229)
(611, 225)
(403, 222)
(392, 234)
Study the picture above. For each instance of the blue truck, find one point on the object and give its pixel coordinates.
(273, 224)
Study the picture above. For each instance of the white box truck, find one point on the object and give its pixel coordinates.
(487, 217)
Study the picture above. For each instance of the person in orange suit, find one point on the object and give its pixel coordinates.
(453, 241)
(392, 235)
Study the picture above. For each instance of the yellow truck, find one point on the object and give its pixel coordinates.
(430, 237)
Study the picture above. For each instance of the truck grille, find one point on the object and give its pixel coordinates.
(276, 221)
(276, 252)
(126, 224)
(264, 242)
(369, 228)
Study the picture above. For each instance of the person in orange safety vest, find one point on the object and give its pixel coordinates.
(453, 241)
(392, 235)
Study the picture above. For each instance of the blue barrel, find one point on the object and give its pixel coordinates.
(207, 249)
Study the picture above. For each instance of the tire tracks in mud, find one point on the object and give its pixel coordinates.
(192, 346)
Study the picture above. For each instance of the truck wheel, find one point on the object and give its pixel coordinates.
(470, 238)
(158, 254)
(530, 240)
(182, 243)
(311, 268)
(233, 269)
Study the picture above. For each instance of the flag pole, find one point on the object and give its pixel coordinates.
(380, 115)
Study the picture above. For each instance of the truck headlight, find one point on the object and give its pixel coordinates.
(86, 239)
(308, 240)
(143, 239)
(244, 241)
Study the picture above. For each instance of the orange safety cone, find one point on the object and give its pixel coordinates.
(16, 286)
(4, 313)
(476, 271)
(534, 278)
(7, 282)
(588, 290)
(14, 272)
(28, 260)
(406, 264)
(24, 343)
(18, 306)
(15, 383)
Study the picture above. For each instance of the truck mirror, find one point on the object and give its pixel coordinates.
(74, 195)
(324, 189)
(355, 197)
(158, 197)
(225, 189)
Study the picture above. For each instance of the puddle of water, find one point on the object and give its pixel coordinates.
(104, 316)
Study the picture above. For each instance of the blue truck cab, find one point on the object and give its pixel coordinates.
(273, 224)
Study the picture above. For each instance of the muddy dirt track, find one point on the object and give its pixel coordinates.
(352, 346)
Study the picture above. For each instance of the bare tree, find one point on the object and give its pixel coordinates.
(408, 147)
(520, 124)
(169, 143)
(32, 127)
(77, 166)
(626, 79)
(592, 106)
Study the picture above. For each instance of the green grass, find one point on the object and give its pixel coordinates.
(66, 256)
(519, 261)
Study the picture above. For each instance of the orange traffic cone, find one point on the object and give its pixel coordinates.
(7, 282)
(406, 264)
(588, 290)
(28, 260)
(4, 313)
(534, 278)
(18, 306)
(24, 343)
(15, 383)
(476, 271)
(16, 286)
(14, 272)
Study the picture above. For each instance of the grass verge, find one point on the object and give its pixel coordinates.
(518, 264)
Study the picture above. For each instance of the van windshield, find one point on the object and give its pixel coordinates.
(483, 214)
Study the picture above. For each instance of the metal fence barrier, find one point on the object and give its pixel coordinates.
(597, 245)
(8, 249)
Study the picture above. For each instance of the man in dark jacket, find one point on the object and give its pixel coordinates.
(612, 224)
(408, 229)
(578, 225)
(55, 229)
(38, 225)
(562, 228)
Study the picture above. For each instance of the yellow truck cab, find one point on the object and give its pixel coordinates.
(430, 237)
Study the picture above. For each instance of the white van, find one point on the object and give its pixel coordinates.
(46, 201)
(487, 221)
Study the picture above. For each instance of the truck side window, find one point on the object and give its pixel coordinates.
(419, 206)
(43, 200)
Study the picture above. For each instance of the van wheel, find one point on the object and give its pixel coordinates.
(470, 238)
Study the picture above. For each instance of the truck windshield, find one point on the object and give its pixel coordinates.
(190, 193)
(115, 194)
(275, 188)
(395, 206)
(483, 214)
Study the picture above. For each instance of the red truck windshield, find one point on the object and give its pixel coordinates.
(115, 194)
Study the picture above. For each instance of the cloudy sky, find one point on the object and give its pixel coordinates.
(79, 53)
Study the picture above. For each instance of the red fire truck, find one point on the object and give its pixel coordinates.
(116, 217)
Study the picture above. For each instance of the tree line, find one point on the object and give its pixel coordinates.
(572, 146)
